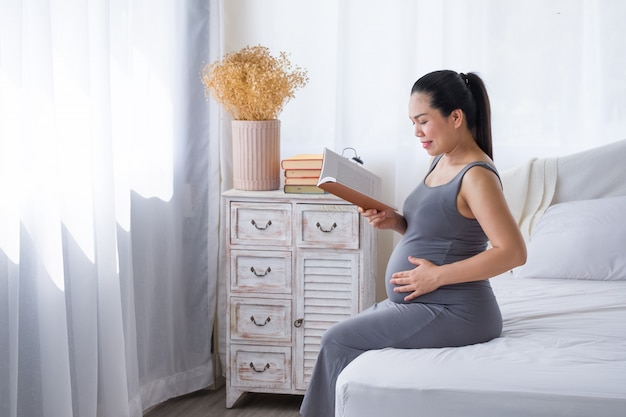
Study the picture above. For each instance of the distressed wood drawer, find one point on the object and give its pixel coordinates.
(327, 226)
(260, 224)
(260, 319)
(260, 272)
(266, 366)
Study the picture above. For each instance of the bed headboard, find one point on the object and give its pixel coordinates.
(539, 183)
(595, 173)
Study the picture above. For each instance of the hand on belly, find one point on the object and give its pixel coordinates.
(410, 284)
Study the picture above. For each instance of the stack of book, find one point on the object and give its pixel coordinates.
(302, 172)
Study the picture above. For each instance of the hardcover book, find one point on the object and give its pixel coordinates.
(302, 161)
(301, 181)
(303, 189)
(351, 182)
(303, 173)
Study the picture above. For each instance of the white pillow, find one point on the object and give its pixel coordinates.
(583, 239)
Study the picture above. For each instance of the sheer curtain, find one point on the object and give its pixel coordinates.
(554, 70)
(107, 266)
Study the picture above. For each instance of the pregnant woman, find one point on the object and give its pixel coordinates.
(437, 276)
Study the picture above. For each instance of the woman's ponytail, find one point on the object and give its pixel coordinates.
(482, 122)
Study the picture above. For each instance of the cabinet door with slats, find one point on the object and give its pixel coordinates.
(328, 285)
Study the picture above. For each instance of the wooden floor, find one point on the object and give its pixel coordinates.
(212, 403)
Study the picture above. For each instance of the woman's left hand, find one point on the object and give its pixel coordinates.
(418, 281)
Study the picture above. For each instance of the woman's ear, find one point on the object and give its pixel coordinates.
(457, 117)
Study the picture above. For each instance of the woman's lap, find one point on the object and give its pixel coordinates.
(410, 326)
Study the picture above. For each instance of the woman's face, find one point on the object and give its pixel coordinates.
(435, 132)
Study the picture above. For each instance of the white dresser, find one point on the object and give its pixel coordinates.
(297, 264)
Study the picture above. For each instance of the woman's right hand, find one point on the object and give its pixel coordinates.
(387, 219)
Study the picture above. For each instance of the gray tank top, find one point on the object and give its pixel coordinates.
(436, 231)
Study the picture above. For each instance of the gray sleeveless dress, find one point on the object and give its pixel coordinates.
(453, 315)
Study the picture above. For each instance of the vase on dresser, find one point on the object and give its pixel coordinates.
(256, 154)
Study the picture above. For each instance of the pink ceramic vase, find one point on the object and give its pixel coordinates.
(256, 154)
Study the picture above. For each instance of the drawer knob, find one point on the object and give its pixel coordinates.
(268, 224)
(267, 366)
(298, 323)
(267, 320)
(319, 226)
(267, 271)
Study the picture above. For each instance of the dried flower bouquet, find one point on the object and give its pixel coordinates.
(252, 84)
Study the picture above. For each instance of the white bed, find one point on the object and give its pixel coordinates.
(563, 347)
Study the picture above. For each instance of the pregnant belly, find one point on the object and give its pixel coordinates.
(399, 261)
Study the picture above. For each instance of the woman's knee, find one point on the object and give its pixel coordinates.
(337, 335)
(330, 335)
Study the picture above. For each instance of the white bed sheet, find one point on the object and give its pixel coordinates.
(562, 353)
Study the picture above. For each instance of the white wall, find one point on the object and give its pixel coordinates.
(554, 70)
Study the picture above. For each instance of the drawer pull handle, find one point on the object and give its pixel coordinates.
(267, 271)
(253, 320)
(267, 366)
(298, 323)
(268, 224)
(319, 226)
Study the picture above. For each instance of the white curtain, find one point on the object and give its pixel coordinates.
(554, 70)
(108, 211)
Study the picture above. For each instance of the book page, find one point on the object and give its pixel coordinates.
(359, 179)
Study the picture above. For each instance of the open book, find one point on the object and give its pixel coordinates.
(352, 182)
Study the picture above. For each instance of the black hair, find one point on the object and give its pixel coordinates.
(450, 90)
